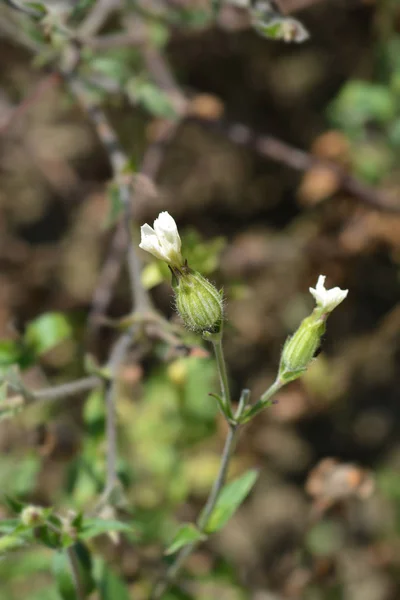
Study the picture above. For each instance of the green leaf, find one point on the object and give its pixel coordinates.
(361, 101)
(62, 573)
(11, 352)
(47, 331)
(153, 274)
(8, 525)
(111, 586)
(14, 504)
(281, 28)
(10, 542)
(186, 534)
(93, 527)
(151, 97)
(229, 500)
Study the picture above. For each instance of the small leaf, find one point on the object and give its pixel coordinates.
(47, 331)
(8, 525)
(282, 28)
(13, 504)
(11, 352)
(10, 542)
(229, 500)
(62, 572)
(93, 527)
(186, 534)
(111, 586)
(151, 97)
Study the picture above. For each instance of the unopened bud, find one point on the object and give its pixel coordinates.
(198, 301)
(31, 515)
(300, 348)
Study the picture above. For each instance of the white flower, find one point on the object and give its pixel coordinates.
(163, 241)
(327, 300)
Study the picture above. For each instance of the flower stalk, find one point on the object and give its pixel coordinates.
(200, 305)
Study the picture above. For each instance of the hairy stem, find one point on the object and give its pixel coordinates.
(204, 517)
(223, 375)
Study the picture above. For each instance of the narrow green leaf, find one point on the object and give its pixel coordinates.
(111, 586)
(62, 573)
(47, 331)
(8, 525)
(93, 527)
(229, 500)
(10, 542)
(13, 504)
(186, 534)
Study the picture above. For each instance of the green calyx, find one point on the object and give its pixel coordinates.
(300, 348)
(198, 301)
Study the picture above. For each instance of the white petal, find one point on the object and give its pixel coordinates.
(327, 300)
(167, 231)
(163, 241)
(149, 241)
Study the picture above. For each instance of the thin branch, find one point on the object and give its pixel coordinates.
(273, 148)
(108, 277)
(223, 375)
(202, 522)
(52, 394)
(122, 39)
(97, 17)
(119, 163)
(117, 357)
(268, 145)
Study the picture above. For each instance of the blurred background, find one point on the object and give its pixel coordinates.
(279, 160)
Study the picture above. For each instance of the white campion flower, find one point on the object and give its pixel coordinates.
(163, 241)
(327, 300)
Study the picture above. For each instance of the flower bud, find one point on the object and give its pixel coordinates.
(198, 302)
(31, 515)
(163, 241)
(300, 348)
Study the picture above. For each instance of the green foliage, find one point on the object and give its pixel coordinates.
(93, 527)
(186, 534)
(63, 576)
(151, 97)
(360, 102)
(229, 500)
(368, 112)
(47, 331)
(270, 24)
(110, 585)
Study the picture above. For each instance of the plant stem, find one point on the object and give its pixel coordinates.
(117, 356)
(223, 375)
(73, 561)
(204, 517)
(263, 402)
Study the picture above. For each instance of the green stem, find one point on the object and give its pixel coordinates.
(204, 517)
(223, 375)
(263, 402)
